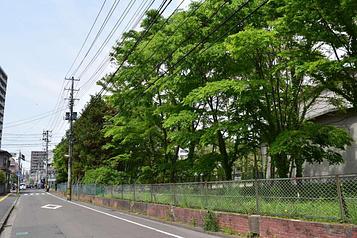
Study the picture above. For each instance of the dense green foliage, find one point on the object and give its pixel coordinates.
(248, 85)
(2, 177)
(88, 142)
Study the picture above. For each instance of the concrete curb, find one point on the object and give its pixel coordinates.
(7, 214)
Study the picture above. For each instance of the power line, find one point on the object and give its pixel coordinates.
(164, 43)
(240, 7)
(110, 13)
(26, 134)
(204, 39)
(160, 11)
(58, 103)
(125, 58)
(94, 77)
(31, 119)
(189, 37)
(106, 60)
(85, 40)
(53, 121)
(165, 22)
(110, 35)
(238, 25)
(23, 144)
(83, 44)
(58, 118)
(101, 68)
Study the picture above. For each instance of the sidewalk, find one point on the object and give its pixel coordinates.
(6, 203)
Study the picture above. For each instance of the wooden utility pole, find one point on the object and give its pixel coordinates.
(19, 172)
(46, 136)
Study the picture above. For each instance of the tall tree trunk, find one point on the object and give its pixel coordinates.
(282, 166)
(173, 165)
(191, 153)
(227, 166)
(299, 163)
(255, 169)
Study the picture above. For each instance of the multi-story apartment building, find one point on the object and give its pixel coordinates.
(37, 162)
(3, 84)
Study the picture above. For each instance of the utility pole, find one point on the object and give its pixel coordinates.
(37, 174)
(46, 135)
(70, 116)
(19, 173)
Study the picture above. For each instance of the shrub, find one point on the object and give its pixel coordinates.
(210, 222)
(102, 175)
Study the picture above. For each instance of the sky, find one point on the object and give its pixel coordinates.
(39, 41)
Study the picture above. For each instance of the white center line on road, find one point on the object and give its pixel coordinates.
(26, 194)
(119, 218)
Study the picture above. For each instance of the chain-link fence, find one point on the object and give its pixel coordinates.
(330, 198)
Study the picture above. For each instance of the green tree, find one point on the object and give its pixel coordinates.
(312, 143)
(219, 91)
(330, 27)
(61, 161)
(275, 61)
(88, 137)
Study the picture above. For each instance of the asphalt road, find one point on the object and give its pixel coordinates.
(42, 215)
(5, 203)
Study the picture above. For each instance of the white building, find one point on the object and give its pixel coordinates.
(37, 167)
(348, 121)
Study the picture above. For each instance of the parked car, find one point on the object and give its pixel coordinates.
(22, 186)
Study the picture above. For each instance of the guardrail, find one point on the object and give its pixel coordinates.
(329, 198)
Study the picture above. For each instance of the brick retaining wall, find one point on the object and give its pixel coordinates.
(277, 227)
(269, 227)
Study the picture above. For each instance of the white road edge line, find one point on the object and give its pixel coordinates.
(119, 218)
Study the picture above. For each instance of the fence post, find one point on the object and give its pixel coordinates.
(134, 191)
(122, 191)
(173, 189)
(256, 186)
(205, 190)
(151, 193)
(77, 190)
(340, 198)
